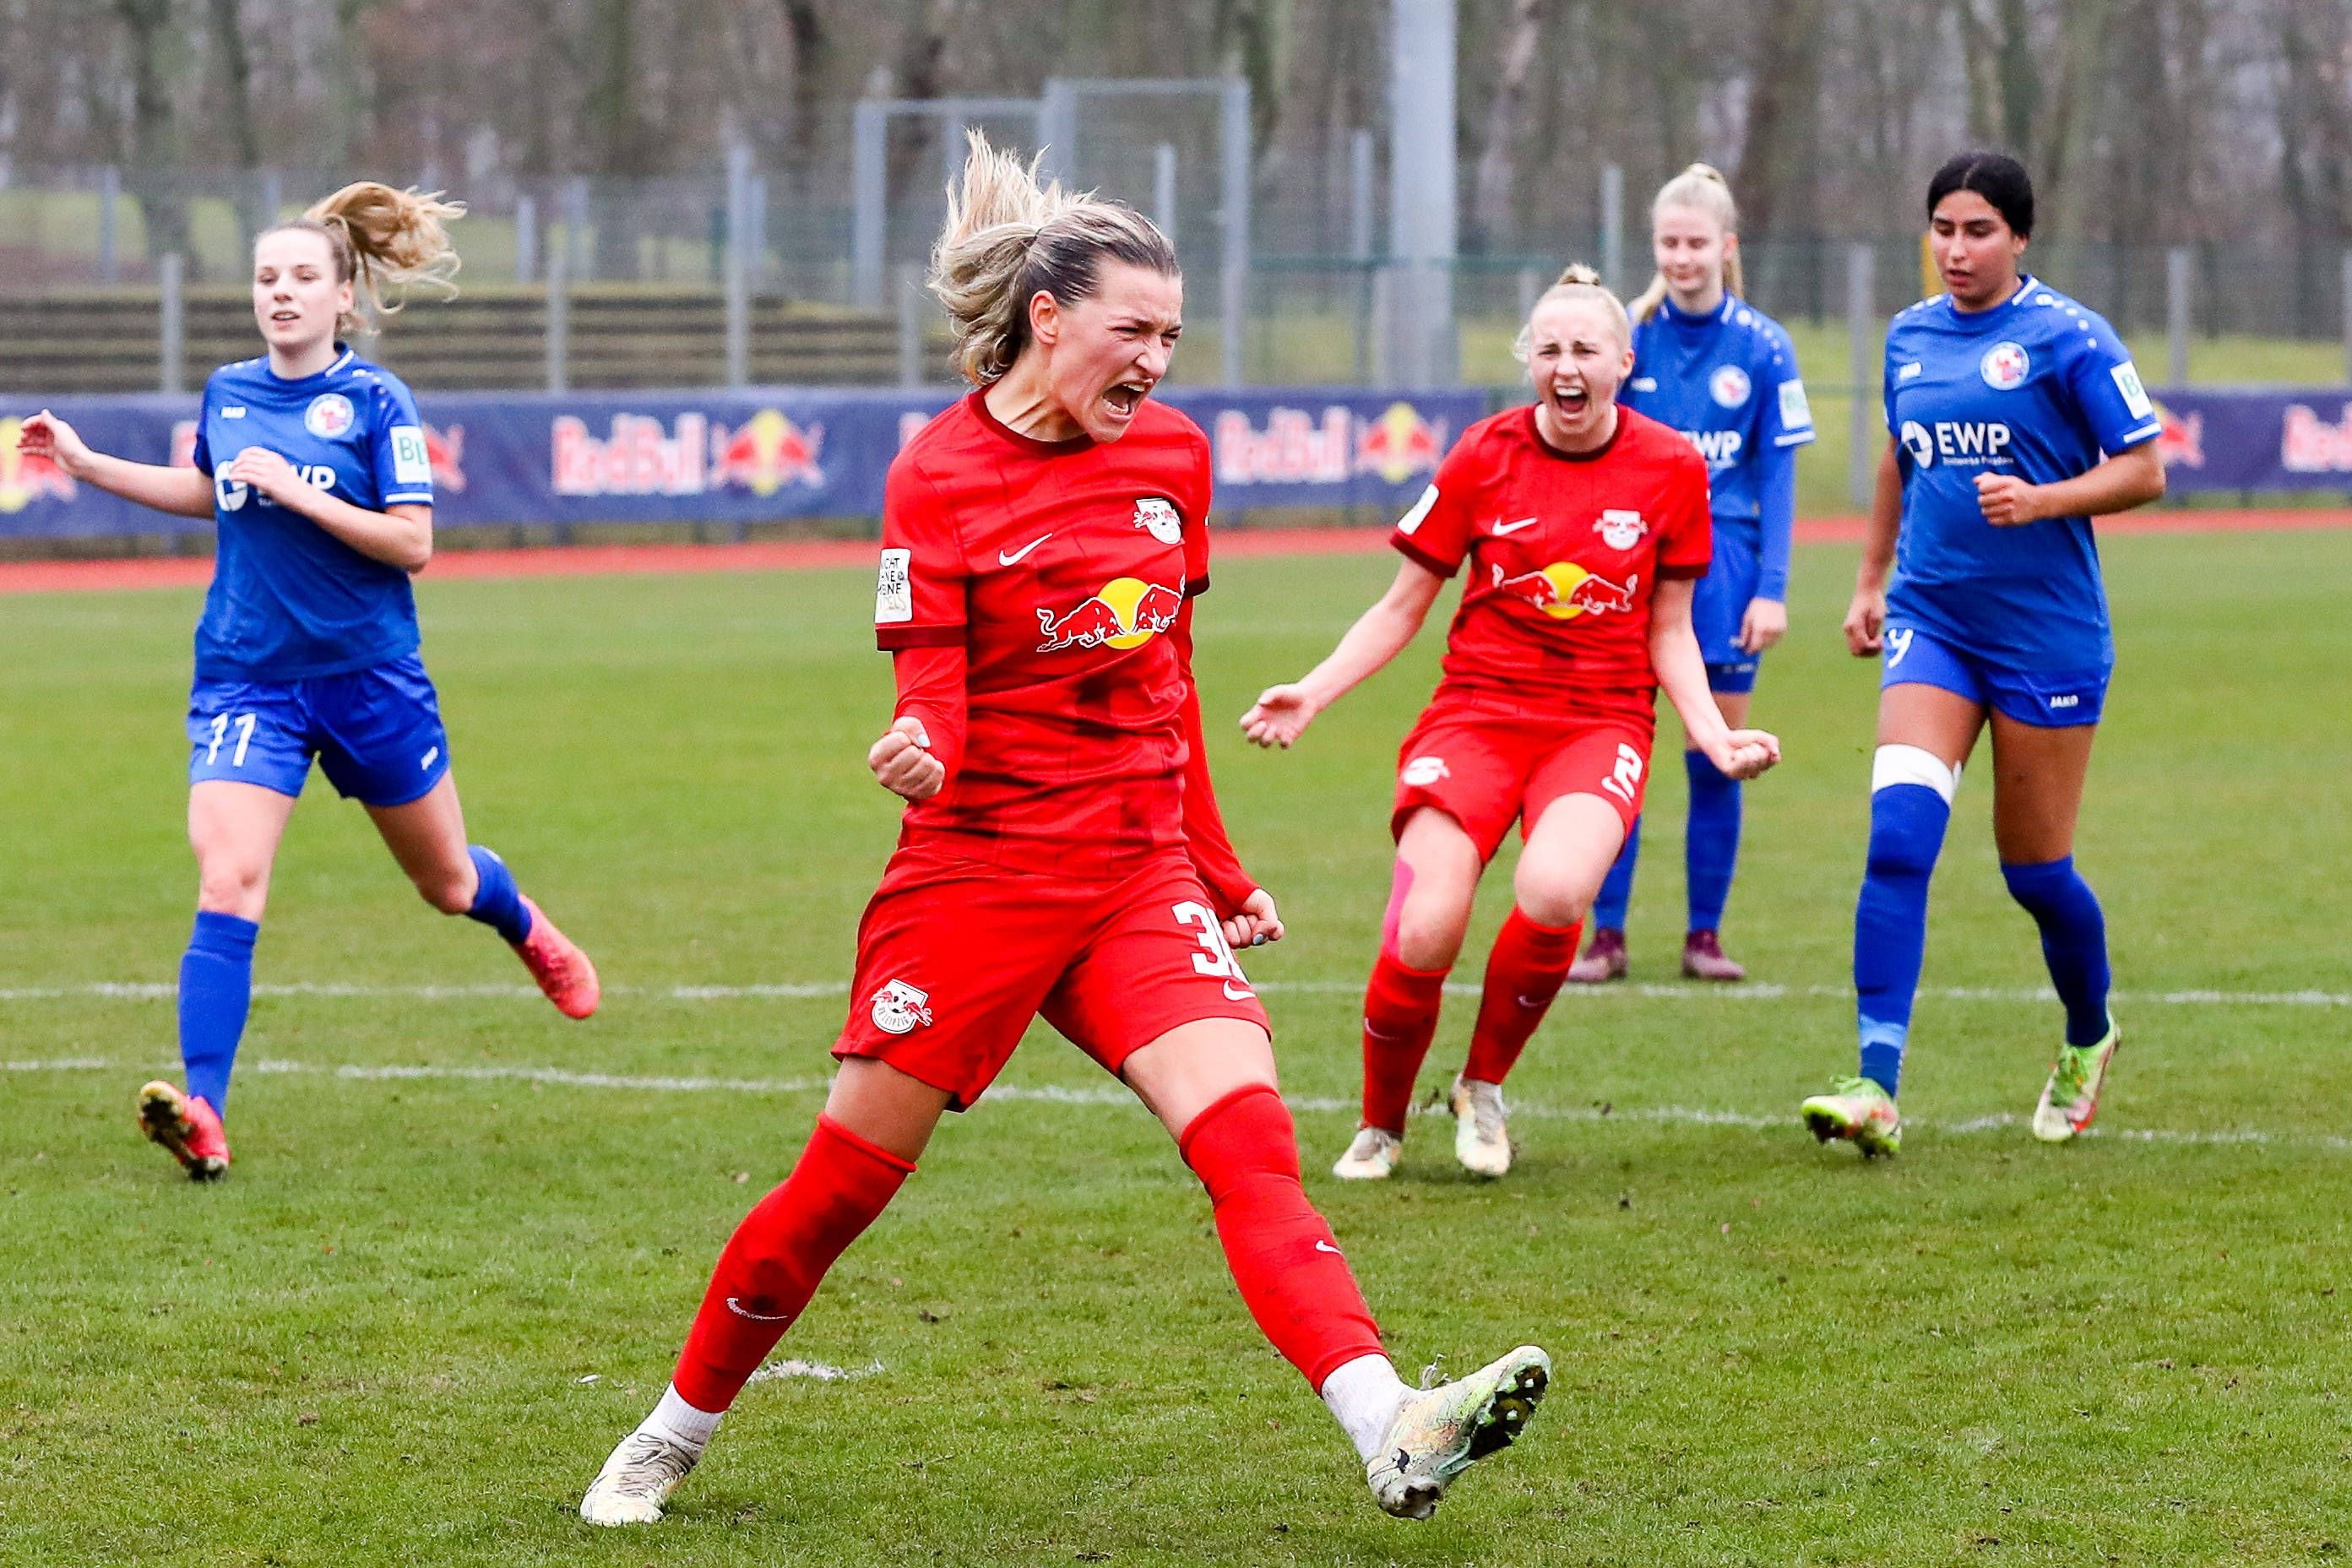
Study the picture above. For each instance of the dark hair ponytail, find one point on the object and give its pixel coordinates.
(1998, 178)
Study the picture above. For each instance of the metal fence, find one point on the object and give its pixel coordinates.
(1297, 289)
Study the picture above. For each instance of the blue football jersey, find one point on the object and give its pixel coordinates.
(2040, 387)
(1729, 380)
(288, 601)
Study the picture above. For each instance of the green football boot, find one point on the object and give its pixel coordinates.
(1859, 1111)
(2070, 1097)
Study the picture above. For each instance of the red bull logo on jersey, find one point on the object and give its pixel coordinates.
(24, 480)
(1565, 590)
(2309, 445)
(766, 453)
(1127, 613)
(1398, 445)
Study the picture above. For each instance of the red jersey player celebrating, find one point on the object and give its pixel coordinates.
(1062, 854)
(1585, 527)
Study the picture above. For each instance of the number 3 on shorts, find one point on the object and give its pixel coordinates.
(1627, 778)
(220, 732)
(1216, 958)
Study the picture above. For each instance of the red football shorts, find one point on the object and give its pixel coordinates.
(954, 958)
(1486, 772)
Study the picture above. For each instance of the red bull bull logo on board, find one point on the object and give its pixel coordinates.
(766, 453)
(1565, 590)
(445, 450)
(1398, 445)
(2180, 439)
(24, 480)
(1127, 613)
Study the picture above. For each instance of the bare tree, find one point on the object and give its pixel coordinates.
(155, 144)
(1493, 188)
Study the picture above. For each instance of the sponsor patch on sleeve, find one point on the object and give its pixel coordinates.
(1796, 413)
(894, 592)
(2126, 379)
(411, 464)
(1412, 519)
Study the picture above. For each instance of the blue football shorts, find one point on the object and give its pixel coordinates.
(376, 732)
(1720, 604)
(2045, 699)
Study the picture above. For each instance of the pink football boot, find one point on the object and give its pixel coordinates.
(559, 966)
(186, 1125)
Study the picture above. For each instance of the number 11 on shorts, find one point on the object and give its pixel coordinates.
(220, 732)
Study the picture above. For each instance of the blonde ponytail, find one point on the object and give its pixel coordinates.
(383, 240)
(1577, 281)
(1702, 189)
(1007, 237)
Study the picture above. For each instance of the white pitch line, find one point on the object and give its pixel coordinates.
(1112, 1095)
(119, 990)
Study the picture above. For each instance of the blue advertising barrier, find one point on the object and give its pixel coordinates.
(769, 453)
(758, 456)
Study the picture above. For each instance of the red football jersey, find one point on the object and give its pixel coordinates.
(1565, 551)
(1061, 566)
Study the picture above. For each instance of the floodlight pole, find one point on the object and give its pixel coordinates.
(1423, 223)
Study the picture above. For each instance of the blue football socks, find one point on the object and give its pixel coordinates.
(215, 993)
(1710, 840)
(498, 903)
(1617, 887)
(2074, 940)
(1890, 921)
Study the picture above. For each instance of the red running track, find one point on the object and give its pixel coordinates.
(602, 561)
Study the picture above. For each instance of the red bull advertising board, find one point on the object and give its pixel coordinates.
(773, 454)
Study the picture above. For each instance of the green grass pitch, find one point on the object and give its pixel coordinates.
(409, 1325)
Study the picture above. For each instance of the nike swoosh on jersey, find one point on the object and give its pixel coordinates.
(1502, 528)
(1241, 994)
(1014, 558)
(1323, 1245)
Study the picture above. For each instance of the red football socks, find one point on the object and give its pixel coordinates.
(1524, 973)
(1292, 1276)
(772, 1263)
(1399, 1019)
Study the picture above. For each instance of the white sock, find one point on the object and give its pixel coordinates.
(681, 1423)
(1363, 1396)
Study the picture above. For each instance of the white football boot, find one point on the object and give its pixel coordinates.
(637, 1479)
(1438, 1433)
(1481, 1142)
(1371, 1155)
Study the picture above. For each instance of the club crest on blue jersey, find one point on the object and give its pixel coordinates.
(2005, 367)
(1729, 386)
(328, 415)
